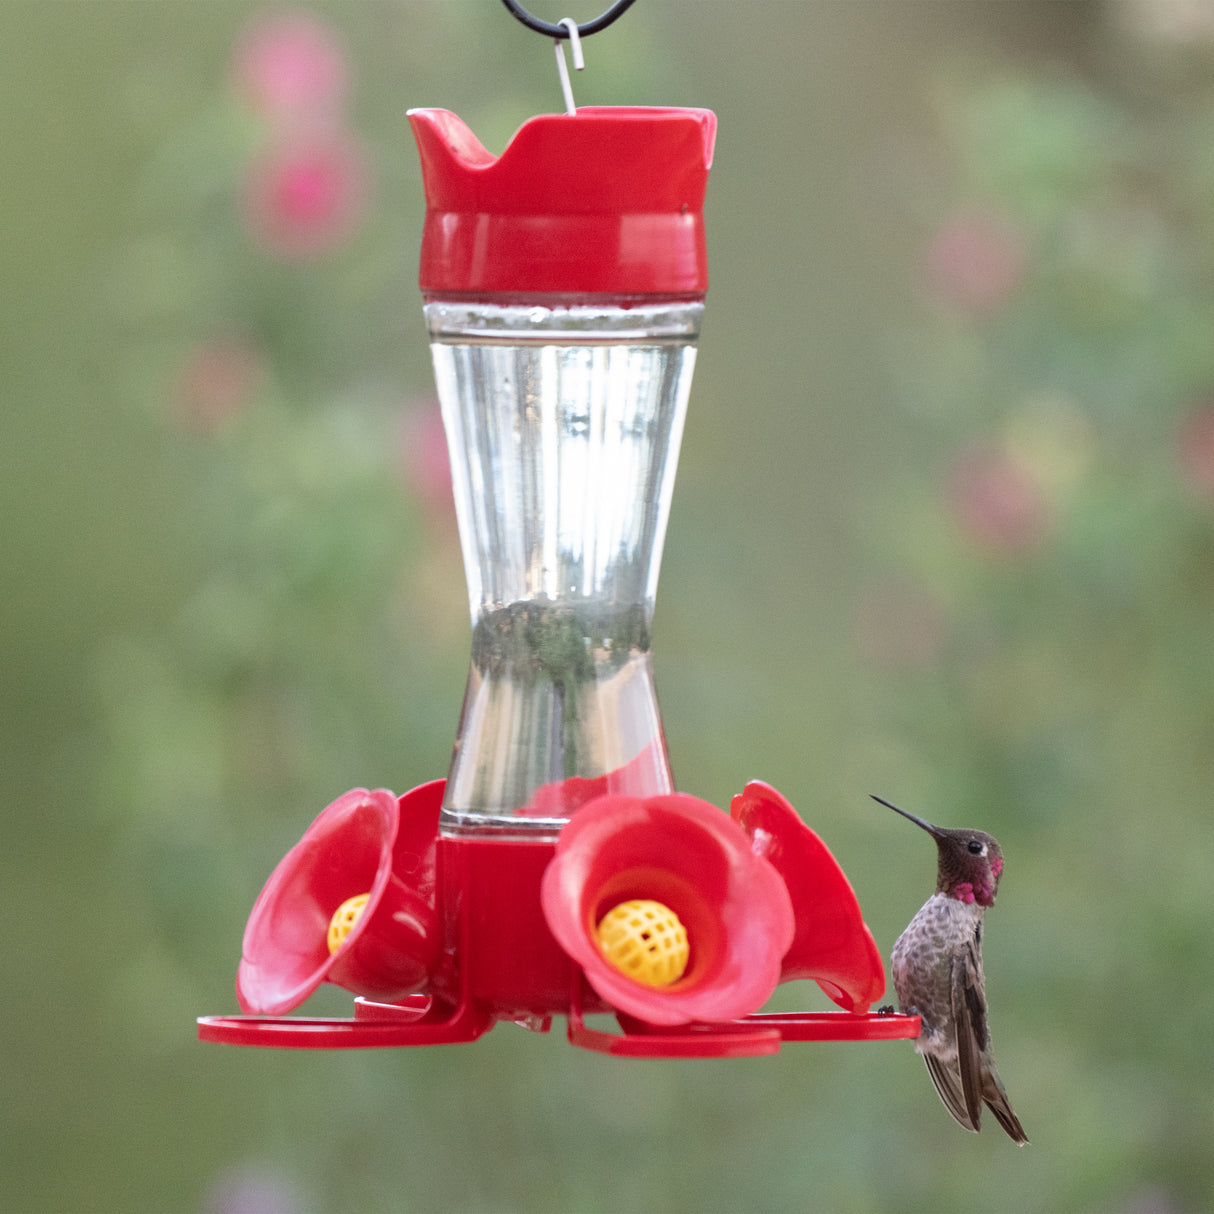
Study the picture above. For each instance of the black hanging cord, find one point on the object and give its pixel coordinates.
(559, 31)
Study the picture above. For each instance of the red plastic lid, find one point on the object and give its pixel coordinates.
(606, 202)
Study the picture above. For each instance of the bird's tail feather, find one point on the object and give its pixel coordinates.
(995, 1095)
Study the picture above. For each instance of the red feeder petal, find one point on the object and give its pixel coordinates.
(832, 945)
(688, 855)
(364, 842)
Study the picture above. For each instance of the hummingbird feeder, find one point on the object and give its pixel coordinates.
(557, 871)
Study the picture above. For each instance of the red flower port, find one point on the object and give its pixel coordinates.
(831, 944)
(688, 856)
(363, 843)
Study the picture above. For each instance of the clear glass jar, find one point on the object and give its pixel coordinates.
(564, 420)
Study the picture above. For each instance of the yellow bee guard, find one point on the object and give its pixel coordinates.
(344, 919)
(645, 940)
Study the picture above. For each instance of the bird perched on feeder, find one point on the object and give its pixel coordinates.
(937, 965)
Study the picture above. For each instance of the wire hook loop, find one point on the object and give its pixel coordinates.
(560, 29)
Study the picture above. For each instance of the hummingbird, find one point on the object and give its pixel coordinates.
(937, 966)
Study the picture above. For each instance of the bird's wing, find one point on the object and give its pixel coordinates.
(969, 1015)
(948, 1088)
(974, 1041)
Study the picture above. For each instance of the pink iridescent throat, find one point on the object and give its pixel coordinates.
(964, 891)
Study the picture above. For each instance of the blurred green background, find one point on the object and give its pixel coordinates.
(943, 530)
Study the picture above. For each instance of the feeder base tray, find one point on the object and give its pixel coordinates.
(420, 1020)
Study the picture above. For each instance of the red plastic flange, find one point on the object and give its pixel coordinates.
(417, 1021)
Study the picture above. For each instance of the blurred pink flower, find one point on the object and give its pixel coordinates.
(997, 500)
(422, 458)
(1195, 449)
(975, 262)
(217, 380)
(899, 626)
(288, 61)
(253, 1190)
(306, 193)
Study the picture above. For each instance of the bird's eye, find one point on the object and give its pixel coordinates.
(976, 847)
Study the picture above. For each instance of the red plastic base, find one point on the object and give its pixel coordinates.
(758, 1034)
(503, 954)
(491, 954)
(420, 1021)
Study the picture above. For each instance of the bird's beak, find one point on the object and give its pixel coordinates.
(927, 826)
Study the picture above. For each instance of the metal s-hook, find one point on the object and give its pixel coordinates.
(568, 28)
(579, 62)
